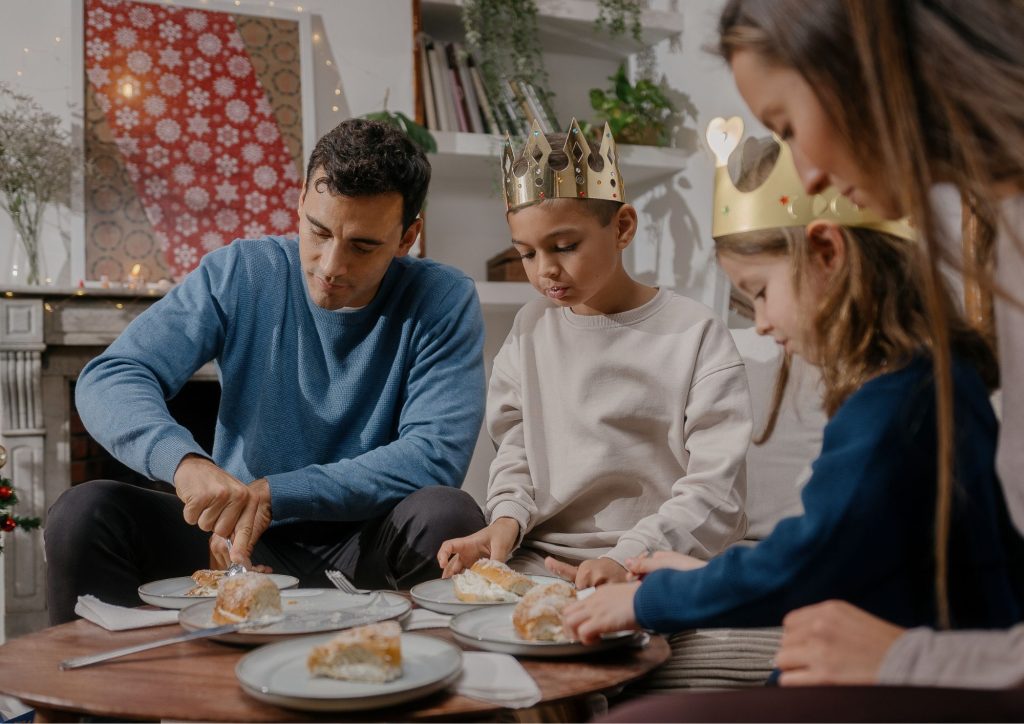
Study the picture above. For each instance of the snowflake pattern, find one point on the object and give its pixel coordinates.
(237, 111)
(170, 58)
(224, 87)
(265, 177)
(141, 16)
(227, 136)
(170, 84)
(199, 153)
(139, 62)
(127, 118)
(200, 142)
(198, 125)
(98, 76)
(126, 37)
(155, 106)
(197, 198)
(208, 44)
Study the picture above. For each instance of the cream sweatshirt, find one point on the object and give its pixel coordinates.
(620, 434)
(984, 659)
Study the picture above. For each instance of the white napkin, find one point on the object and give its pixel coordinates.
(497, 678)
(121, 618)
(422, 618)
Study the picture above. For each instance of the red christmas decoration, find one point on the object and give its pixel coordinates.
(6, 492)
(8, 525)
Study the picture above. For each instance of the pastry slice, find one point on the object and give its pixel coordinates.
(489, 581)
(366, 653)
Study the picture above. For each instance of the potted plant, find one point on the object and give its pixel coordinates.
(639, 113)
(36, 160)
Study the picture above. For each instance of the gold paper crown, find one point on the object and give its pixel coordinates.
(780, 201)
(529, 177)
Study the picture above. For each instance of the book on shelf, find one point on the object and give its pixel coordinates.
(458, 92)
(539, 101)
(516, 112)
(429, 102)
(442, 95)
(481, 93)
(476, 119)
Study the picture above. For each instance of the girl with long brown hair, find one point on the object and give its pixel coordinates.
(886, 100)
(851, 302)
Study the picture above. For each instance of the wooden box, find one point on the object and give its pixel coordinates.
(506, 267)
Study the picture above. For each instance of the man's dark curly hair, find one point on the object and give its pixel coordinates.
(360, 157)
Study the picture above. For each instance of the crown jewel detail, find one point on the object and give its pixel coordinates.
(528, 177)
(780, 201)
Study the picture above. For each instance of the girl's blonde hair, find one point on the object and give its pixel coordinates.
(874, 317)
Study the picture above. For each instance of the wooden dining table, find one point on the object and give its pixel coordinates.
(196, 680)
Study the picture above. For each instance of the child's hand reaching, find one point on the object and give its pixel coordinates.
(495, 541)
(609, 608)
(642, 565)
(593, 572)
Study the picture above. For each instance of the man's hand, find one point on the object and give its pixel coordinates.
(642, 565)
(214, 499)
(495, 541)
(594, 572)
(609, 608)
(220, 556)
(833, 643)
(253, 522)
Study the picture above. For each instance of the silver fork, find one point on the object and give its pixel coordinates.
(342, 583)
(235, 568)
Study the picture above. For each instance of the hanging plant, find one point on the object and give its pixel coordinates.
(615, 16)
(505, 41)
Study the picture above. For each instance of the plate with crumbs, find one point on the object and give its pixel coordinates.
(491, 629)
(170, 592)
(306, 611)
(439, 595)
(277, 674)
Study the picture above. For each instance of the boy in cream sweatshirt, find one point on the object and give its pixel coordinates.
(620, 412)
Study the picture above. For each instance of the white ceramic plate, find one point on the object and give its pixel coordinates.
(491, 629)
(439, 595)
(278, 674)
(170, 592)
(307, 611)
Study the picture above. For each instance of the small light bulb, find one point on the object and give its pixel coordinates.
(299, 8)
(57, 38)
(337, 91)
(329, 62)
(19, 72)
(119, 305)
(316, 37)
(334, 108)
(237, 3)
(25, 49)
(48, 307)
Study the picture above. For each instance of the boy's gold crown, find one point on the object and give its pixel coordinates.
(780, 201)
(529, 177)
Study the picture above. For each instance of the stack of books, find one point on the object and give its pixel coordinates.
(456, 100)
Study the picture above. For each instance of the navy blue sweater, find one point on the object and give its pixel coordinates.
(345, 413)
(866, 532)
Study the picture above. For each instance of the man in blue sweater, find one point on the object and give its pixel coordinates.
(352, 395)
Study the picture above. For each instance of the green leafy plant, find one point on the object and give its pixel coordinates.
(36, 161)
(615, 16)
(416, 133)
(637, 113)
(504, 37)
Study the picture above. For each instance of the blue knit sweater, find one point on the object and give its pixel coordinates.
(345, 413)
(866, 532)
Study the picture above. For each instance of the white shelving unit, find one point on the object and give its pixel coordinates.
(465, 212)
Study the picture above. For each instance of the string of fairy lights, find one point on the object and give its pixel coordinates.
(135, 289)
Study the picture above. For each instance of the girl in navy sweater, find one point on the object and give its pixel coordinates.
(850, 301)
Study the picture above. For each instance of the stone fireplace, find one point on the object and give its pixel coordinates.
(46, 338)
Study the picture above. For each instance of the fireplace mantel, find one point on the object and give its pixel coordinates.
(46, 337)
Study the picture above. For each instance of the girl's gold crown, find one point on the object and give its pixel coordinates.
(780, 201)
(529, 177)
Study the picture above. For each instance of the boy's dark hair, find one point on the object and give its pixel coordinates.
(603, 210)
(360, 157)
